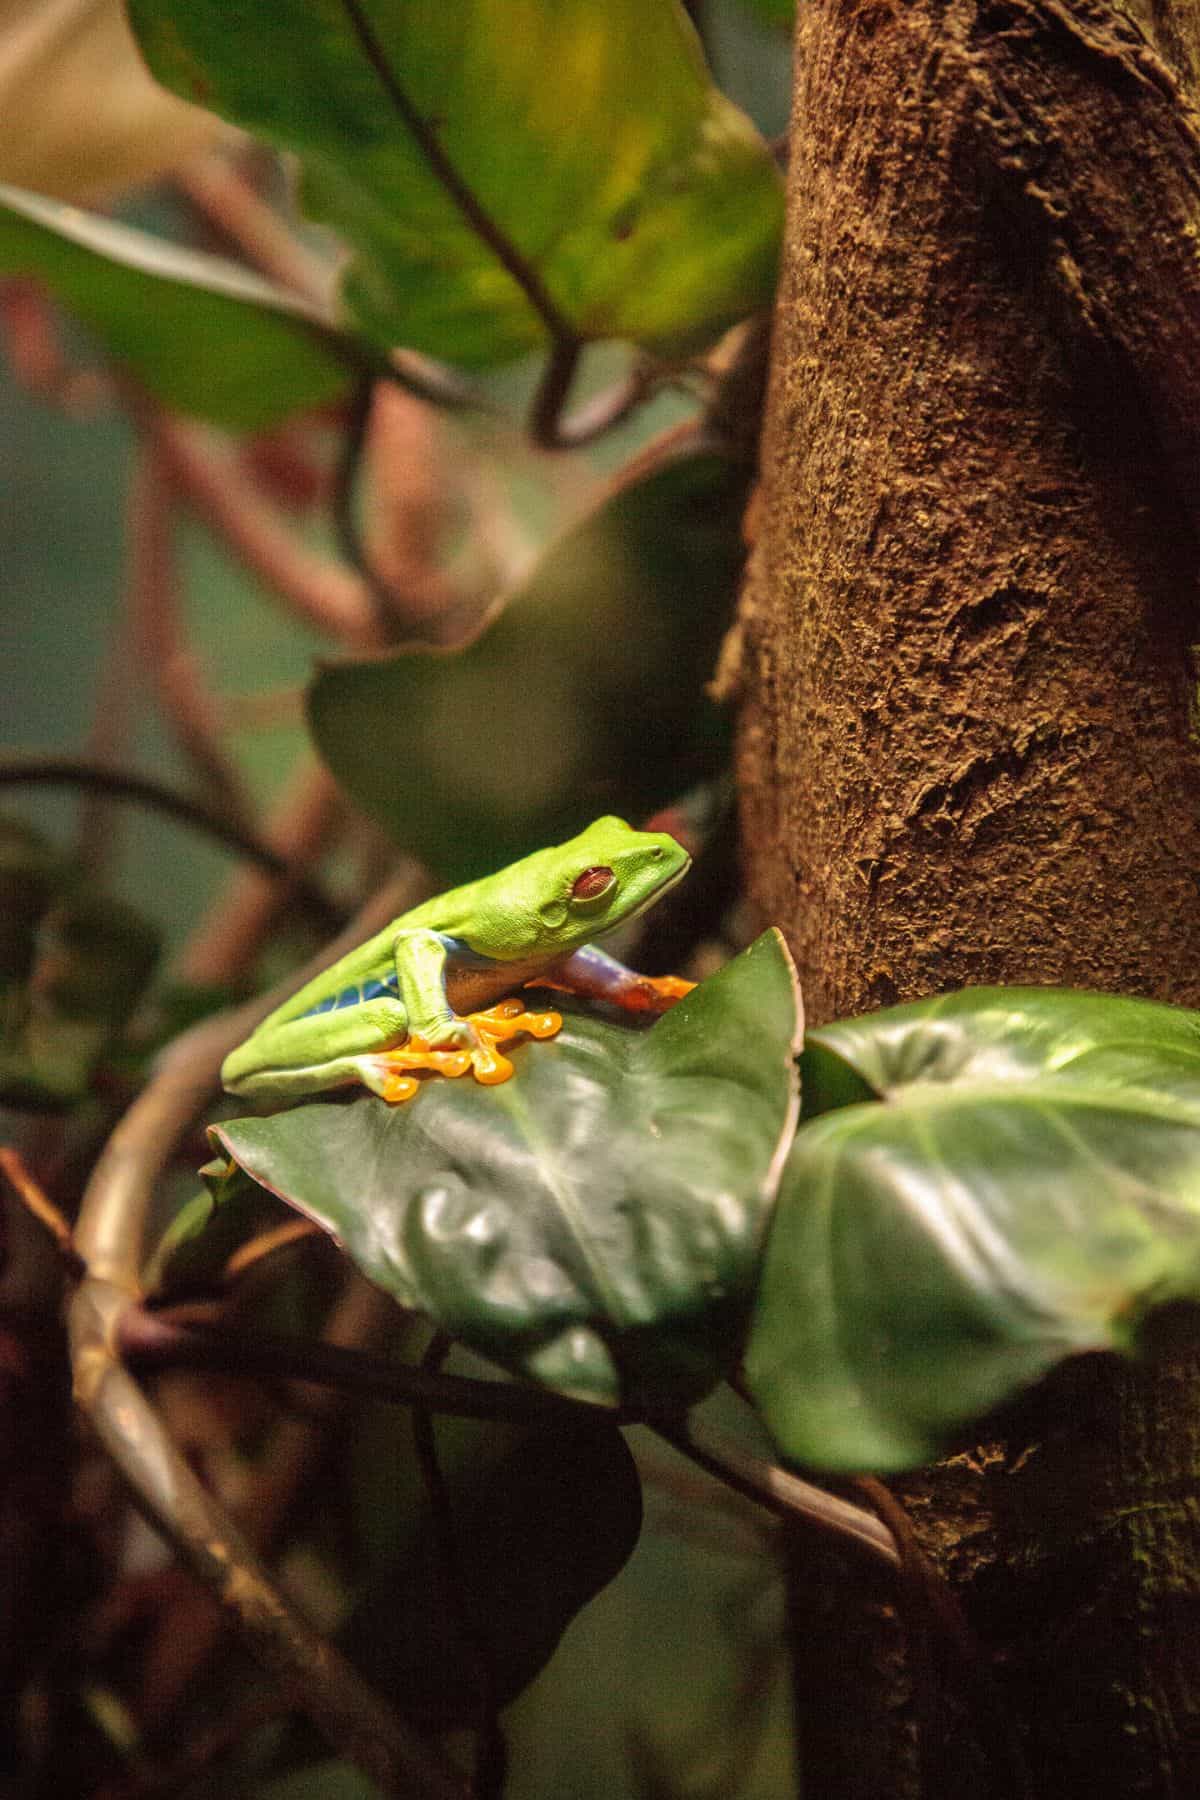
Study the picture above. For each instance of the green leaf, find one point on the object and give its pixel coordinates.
(986, 1183)
(586, 132)
(773, 12)
(203, 335)
(595, 1222)
(93, 957)
(328, 1780)
(584, 695)
(543, 1521)
(198, 1243)
(31, 874)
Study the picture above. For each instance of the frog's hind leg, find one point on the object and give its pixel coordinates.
(336, 1047)
(595, 975)
(388, 1072)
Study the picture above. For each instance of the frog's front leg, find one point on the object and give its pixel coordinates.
(421, 956)
(440, 1038)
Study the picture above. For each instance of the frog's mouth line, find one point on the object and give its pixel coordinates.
(650, 900)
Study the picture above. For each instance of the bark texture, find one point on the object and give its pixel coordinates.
(969, 628)
(968, 748)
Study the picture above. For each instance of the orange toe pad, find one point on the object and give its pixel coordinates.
(499, 1025)
(669, 988)
(392, 1072)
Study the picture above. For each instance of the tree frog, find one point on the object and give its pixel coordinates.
(400, 1002)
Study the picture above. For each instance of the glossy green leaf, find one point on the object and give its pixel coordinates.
(586, 132)
(543, 1521)
(595, 1222)
(201, 334)
(583, 696)
(984, 1184)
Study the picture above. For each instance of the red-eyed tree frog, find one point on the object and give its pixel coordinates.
(402, 1001)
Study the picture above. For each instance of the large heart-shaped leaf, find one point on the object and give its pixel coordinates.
(585, 695)
(986, 1183)
(584, 136)
(202, 334)
(594, 1223)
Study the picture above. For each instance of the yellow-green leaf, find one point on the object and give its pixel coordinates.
(584, 135)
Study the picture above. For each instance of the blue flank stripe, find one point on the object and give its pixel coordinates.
(354, 996)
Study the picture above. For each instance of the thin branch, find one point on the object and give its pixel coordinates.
(121, 1187)
(230, 203)
(553, 392)
(36, 1201)
(158, 1340)
(786, 1495)
(491, 1750)
(143, 790)
(388, 602)
(413, 598)
(109, 1237)
(98, 831)
(467, 201)
(362, 1727)
(267, 1244)
(333, 600)
(157, 635)
(222, 949)
(30, 338)
(33, 351)
(931, 1606)
(416, 485)
(595, 417)
(734, 411)
(151, 1340)
(288, 1463)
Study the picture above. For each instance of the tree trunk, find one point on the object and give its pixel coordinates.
(968, 752)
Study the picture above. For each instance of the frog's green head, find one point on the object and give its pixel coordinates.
(556, 900)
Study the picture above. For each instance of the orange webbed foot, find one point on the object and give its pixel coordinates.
(388, 1072)
(392, 1074)
(665, 991)
(499, 1025)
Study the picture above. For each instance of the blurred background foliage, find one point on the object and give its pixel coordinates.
(64, 476)
(671, 1682)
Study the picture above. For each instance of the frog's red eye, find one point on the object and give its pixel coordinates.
(592, 883)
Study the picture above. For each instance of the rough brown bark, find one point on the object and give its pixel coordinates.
(968, 750)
